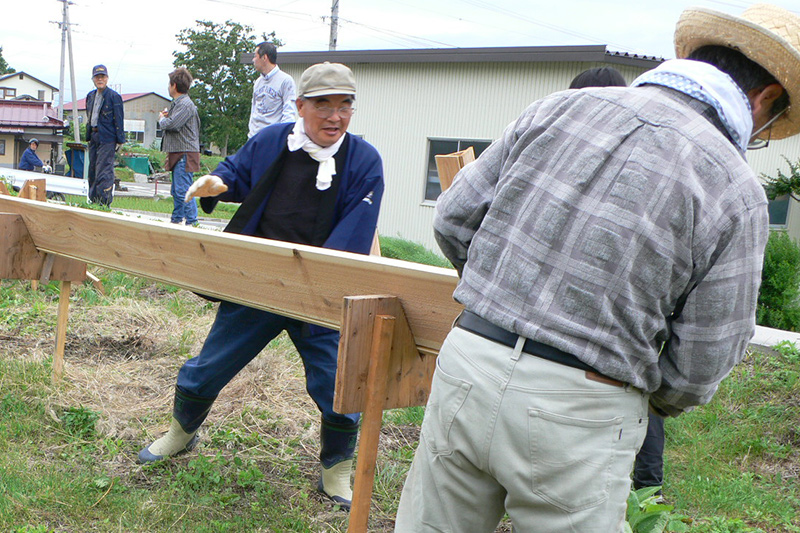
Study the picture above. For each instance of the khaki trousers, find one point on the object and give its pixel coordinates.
(505, 431)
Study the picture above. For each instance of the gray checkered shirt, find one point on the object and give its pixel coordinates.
(181, 127)
(607, 222)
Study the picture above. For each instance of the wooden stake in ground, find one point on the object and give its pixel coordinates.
(61, 330)
(383, 332)
(379, 367)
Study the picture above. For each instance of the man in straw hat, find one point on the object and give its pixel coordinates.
(609, 246)
(308, 182)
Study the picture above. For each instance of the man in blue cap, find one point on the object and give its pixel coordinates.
(105, 135)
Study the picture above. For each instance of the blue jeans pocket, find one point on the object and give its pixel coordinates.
(448, 394)
(571, 458)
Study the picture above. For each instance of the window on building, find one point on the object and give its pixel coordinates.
(159, 131)
(41, 96)
(9, 92)
(2, 147)
(134, 136)
(134, 130)
(446, 146)
(779, 211)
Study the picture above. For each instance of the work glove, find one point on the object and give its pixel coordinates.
(208, 185)
(117, 147)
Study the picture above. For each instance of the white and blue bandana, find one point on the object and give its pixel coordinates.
(708, 84)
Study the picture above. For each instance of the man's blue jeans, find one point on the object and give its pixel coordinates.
(181, 181)
(240, 333)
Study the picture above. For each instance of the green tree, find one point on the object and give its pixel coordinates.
(222, 89)
(4, 68)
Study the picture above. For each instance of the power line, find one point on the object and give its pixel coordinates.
(518, 16)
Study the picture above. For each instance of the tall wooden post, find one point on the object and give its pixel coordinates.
(382, 334)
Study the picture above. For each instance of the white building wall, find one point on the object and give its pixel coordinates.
(402, 105)
(24, 84)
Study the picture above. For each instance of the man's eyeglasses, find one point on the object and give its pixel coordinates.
(756, 143)
(326, 111)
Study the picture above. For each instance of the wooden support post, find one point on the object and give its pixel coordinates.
(47, 268)
(35, 189)
(61, 330)
(380, 367)
(96, 282)
(20, 259)
(448, 165)
(382, 334)
(375, 249)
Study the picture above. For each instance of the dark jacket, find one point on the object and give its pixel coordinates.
(29, 160)
(358, 197)
(111, 119)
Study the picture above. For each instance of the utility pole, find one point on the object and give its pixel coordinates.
(334, 25)
(76, 127)
(63, 26)
(66, 42)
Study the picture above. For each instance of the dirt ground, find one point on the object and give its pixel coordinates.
(121, 362)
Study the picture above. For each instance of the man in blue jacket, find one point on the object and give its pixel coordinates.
(29, 158)
(105, 135)
(309, 183)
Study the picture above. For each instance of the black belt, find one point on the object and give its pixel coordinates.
(482, 327)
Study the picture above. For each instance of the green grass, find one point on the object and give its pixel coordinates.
(397, 248)
(731, 466)
(738, 456)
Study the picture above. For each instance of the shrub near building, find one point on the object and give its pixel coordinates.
(779, 296)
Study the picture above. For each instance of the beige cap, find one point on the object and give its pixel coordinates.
(766, 34)
(326, 78)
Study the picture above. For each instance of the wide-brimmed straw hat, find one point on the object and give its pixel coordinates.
(766, 34)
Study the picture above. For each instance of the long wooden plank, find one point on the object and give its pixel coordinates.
(303, 282)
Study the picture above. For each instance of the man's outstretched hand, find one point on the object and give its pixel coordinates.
(208, 185)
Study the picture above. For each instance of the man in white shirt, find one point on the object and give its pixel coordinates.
(274, 91)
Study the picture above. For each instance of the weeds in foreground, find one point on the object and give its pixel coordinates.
(648, 514)
(67, 453)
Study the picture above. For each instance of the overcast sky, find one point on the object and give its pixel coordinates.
(135, 40)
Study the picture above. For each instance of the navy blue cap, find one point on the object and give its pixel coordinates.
(99, 69)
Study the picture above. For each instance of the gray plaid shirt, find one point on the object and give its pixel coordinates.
(607, 222)
(181, 127)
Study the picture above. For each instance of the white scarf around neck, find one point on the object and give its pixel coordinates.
(707, 83)
(327, 165)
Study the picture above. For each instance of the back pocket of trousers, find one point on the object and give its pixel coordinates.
(571, 458)
(448, 394)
